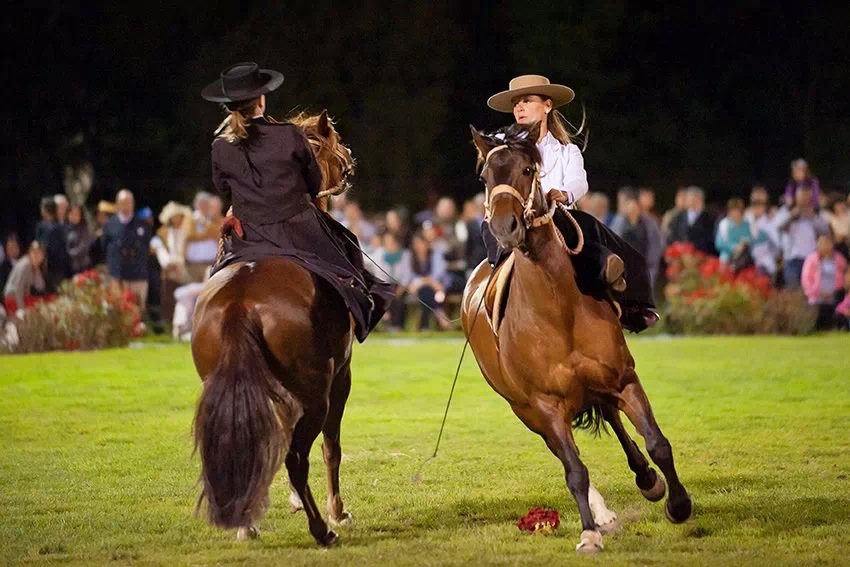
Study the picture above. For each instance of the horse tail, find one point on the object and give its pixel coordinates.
(237, 429)
(591, 420)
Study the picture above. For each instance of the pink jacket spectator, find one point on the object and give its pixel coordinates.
(843, 308)
(811, 275)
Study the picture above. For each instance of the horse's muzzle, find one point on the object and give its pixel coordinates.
(508, 229)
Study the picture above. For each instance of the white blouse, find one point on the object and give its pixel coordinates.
(563, 168)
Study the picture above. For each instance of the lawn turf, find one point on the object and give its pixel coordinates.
(96, 461)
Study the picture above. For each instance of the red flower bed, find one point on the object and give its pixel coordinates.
(704, 296)
(539, 520)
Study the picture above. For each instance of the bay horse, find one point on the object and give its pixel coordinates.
(560, 358)
(272, 344)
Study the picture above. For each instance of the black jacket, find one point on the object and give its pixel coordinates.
(52, 237)
(127, 248)
(700, 234)
(270, 176)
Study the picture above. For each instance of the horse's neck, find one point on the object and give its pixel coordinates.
(547, 254)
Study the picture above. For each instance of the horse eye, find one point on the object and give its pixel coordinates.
(481, 179)
(526, 171)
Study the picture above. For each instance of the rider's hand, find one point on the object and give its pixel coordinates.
(557, 196)
(232, 224)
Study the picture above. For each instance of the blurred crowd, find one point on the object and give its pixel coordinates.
(798, 237)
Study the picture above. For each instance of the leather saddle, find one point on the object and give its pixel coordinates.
(496, 293)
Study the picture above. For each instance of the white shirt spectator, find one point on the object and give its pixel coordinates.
(201, 251)
(801, 236)
(563, 168)
(764, 253)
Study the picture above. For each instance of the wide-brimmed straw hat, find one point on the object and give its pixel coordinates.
(173, 209)
(107, 207)
(530, 85)
(241, 82)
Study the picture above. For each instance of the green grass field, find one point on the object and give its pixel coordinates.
(96, 462)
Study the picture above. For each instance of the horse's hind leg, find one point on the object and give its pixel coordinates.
(298, 466)
(331, 449)
(634, 403)
(651, 485)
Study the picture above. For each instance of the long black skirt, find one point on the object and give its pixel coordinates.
(325, 248)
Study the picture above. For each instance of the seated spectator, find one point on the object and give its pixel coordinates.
(667, 218)
(11, 255)
(203, 234)
(80, 240)
(766, 252)
(396, 262)
(735, 236)
(26, 281)
(694, 224)
(801, 176)
(126, 240)
(429, 273)
(354, 221)
(51, 235)
(838, 218)
(823, 279)
(169, 245)
(186, 297)
(799, 227)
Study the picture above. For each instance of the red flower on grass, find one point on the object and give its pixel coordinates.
(539, 520)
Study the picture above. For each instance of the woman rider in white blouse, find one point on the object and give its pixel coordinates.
(606, 257)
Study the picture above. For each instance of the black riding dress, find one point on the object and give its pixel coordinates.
(270, 179)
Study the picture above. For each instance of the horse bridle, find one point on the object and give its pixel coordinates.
(529, 220)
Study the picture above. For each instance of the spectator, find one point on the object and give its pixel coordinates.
(839, 221)
(26, 280)
(630, 224)
(354, 221)
(204, 231)
(338, 204)
(97, 254)
(694, 224)
(11, 255)
(80, 240)
(395, 223)
(126, 240)
(735, 237)
(51, 235)
(600, 207)
(801, 176)
(823, 279)
(646, 199)
(429, 272)
(446, 222)
(62, 208)
(169, 245)
(427, 213)
(766, 252)
(186, 297)
(799, 227)
(473, 217)
(396, 262)
(679, 205)
(625, 196)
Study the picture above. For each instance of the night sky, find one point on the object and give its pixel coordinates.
(718, 95)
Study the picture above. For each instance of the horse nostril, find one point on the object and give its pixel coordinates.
(514, 224)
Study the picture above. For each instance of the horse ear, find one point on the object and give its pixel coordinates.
(324, 125)
(481, 143)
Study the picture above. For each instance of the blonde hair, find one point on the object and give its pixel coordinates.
(234, 128)
(565, 132)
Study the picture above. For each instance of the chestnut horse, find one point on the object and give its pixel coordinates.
(560, 358)
(272, 344)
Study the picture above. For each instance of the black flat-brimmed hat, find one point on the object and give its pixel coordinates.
(241, 82)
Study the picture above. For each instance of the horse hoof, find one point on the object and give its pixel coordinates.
(295, 504)
(346, 519)
(591, 542)
(247, 533)
(680, 512)
(657, 491)
(329, 539)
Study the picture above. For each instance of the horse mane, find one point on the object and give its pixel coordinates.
(519, 137)
(327, 148)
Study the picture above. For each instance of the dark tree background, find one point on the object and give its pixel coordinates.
(715, 94)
